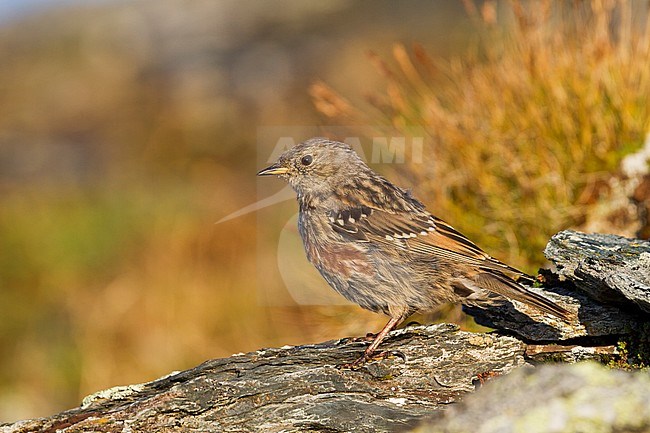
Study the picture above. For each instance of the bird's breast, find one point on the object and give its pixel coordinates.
(328, 253)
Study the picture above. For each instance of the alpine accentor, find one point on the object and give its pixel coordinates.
(378, 246)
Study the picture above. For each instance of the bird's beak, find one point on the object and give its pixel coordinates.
(273, 169)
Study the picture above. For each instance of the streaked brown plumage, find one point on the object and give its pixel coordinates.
(379, 247)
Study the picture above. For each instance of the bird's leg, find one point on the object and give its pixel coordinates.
(392, 323)
(367, 354)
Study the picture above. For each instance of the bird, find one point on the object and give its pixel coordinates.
(379, 247)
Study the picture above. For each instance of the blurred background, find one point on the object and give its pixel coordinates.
(129, 128)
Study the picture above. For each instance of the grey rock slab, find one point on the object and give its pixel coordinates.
(611, 269)
(301, 388)
(583, 397)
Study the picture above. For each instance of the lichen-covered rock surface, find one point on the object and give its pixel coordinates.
(578, 398)
(301, 388)
(611, 269)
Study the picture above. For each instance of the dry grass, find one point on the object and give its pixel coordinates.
(521, 131)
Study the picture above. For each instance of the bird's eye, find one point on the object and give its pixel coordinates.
(306, 160)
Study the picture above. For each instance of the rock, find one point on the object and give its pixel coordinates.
(301, 388)
(584, 397)
(592, 319)
(607, 287)
(610, 269)
(539, 353)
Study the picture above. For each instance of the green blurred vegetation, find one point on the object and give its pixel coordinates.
(524, 131)
(127, 129)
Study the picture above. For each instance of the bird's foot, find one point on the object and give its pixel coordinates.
(365, 358)
(354, 365)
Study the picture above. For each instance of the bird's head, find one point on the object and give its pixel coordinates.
(313, 166)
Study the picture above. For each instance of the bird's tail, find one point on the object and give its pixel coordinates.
(504, 286)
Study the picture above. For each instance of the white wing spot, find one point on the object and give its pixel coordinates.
(389, 238)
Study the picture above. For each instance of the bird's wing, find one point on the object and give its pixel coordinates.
(419, 233)
(427, 237)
